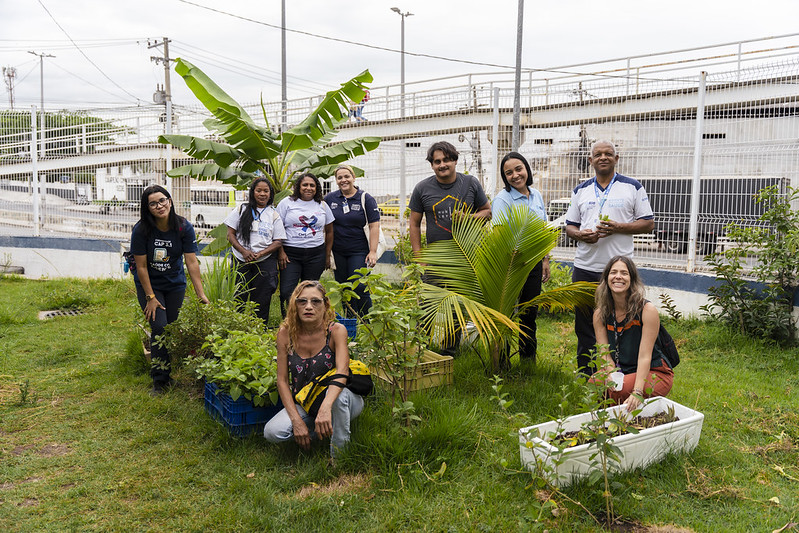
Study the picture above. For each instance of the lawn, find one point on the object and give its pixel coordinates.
(85, 448)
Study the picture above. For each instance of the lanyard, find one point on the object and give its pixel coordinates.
(617, 337)
(256, 215)
(601, 201)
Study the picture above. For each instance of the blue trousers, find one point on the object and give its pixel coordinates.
(345, 409)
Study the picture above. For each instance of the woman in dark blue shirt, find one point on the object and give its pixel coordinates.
(159, 242)
(353, 209)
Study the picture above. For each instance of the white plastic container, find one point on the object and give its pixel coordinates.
(638, 450)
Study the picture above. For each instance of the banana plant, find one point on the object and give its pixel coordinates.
(479, 275)
(250, 149)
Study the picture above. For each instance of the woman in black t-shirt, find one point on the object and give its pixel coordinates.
(159, 242)
(629, 324)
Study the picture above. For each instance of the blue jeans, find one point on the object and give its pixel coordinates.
(345, 409)
(304, 263)
(160, 358)
(346, 265)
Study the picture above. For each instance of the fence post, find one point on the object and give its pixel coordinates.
(495, 144)
(34, 149)
(693, 227)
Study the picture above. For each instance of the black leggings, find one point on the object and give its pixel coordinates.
(173, 300)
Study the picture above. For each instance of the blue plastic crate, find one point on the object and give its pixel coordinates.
(350, 323)
(241, 417)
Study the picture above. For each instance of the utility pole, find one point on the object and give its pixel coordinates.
(515, 133)
(403, 179)
(9, 73)
(283, 93)
(41, 57)
(179, 188)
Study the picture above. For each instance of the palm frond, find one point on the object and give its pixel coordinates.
(566, 298)
(447, 311)
(330, 111)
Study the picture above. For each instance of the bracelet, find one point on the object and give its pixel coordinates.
(638, 392)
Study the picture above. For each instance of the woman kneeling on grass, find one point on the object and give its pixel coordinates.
(309, 344)
(629, 324)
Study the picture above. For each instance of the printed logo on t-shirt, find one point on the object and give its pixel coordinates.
(334, 205)
(615, 203)
(443, 209)
(307, 225)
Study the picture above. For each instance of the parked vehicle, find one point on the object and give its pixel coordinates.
(722, 200)
(391, 207)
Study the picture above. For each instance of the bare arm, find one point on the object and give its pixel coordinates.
(328, 243)
(193, 266)
(144, 279)
(415, 231)
(374, 238)
(247, 254)
(649, 332)
(324, 419)
(484, 212)
(609, 227)
(587, 235)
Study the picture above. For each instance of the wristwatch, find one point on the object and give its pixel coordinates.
(149, 297)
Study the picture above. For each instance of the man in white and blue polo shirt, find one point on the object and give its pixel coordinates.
(604, 214)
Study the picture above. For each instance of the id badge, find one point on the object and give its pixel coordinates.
(345, 208)
(256, 225)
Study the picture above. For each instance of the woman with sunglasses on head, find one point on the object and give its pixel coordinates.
(159, 242)
(255, 232)
(353, 209)
(309, 235)
(629, 324)
(518, 180)
(310, 344)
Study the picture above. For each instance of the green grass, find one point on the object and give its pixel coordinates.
(83, 447)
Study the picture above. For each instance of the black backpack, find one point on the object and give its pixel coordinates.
(668, 347)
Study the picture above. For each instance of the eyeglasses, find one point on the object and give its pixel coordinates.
(316, 302)
(163, 201)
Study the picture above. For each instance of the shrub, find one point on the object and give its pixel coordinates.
(763, 313)
(186, 335)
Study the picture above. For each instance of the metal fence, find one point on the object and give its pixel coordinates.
(94, 163)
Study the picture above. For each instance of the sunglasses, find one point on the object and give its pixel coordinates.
(316, 302)
(162, 201)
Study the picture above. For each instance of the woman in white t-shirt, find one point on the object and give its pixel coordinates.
(309, 236)
(256, 233)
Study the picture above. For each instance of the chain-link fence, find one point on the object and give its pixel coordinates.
(94, 163)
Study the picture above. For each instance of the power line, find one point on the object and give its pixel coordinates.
(393, 50)
(249, 74)
(191, 46)
(87, 57)
(84, 80)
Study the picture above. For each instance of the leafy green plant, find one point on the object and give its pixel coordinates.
(221, 280)
(479, 275)
(251, 149)
(196, 321)
(763, 313)
(402, 247)
(391, 337)
(669, 305)
(242, 364)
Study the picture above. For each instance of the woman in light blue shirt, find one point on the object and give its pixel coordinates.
(518, 178)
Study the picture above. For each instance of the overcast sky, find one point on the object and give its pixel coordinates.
(244, 57)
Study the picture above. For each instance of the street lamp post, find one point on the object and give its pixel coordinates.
(41, 57)
(403, 192)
